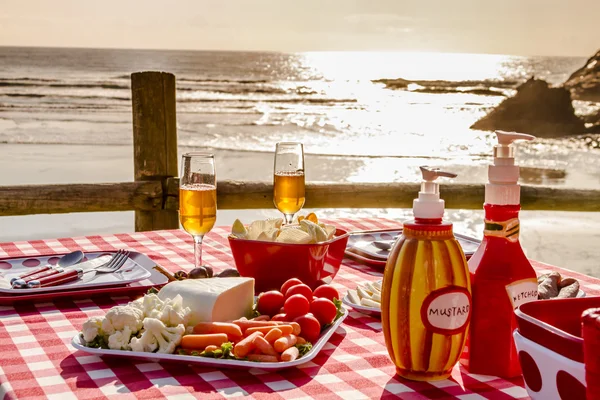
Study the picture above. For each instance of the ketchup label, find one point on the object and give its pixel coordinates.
(508, 230)
(523, 291)
(447, 311)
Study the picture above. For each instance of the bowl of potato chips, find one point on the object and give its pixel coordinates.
(271, 252)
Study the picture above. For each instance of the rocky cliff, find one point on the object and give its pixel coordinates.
(536, 109)
(584, 83)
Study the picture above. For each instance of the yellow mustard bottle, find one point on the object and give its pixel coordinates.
(426, 291)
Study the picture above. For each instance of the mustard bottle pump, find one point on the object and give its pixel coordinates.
(426, 290)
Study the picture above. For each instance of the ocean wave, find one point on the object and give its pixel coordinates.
(400, 83)
(65, 96)
(237, 90)
(476, 91)
(273, 100)
(211, 80)
(102, 85)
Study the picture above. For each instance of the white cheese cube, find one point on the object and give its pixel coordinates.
(213, 299)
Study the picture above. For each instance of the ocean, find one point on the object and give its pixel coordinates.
(334, 102)
(65, 117)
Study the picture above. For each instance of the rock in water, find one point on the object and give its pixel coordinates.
(536, 109)
(584, 83)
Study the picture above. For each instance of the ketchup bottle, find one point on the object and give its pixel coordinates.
(502, 277)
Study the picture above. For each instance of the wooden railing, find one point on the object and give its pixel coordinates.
(154, 194)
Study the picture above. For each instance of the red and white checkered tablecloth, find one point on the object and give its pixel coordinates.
(38, 361)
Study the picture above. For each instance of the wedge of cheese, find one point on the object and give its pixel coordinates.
(213, 299)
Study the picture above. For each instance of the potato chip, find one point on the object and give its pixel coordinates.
(268, 236)
(312, 217)
(317, 233)
(239, 230)
(293, 236)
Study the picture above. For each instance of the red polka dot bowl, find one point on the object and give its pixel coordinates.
(551, 348)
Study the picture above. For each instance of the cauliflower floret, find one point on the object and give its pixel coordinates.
(120, 339)
(158, 337)
(152, 306)
(120, 317)
(92, 328)
(173, 313)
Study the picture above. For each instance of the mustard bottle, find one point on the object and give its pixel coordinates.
(426, 291)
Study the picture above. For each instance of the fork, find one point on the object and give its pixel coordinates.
(113, 265)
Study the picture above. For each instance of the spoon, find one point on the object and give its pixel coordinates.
(65, 261)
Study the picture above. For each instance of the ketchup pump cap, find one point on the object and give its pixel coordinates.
(503, 174)
(429, 205)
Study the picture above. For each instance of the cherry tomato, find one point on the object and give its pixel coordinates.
(289, 283)
(296, 306)
(326, 291)
(324, 310)
(302, 289)
(269, 303)
(282, 317)
(310, 328)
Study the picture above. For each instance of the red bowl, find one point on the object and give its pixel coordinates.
(272, 263)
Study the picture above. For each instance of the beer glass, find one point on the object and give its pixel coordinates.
(288, 179)
(198, 198)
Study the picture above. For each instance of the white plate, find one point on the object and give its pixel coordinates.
(372, 311)
(376, 312)
(215, 362)
(130, 272)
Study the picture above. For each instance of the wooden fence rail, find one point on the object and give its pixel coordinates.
(154, 196)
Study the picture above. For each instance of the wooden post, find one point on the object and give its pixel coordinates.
(154, 141)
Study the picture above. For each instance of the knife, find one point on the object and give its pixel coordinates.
(83, 266)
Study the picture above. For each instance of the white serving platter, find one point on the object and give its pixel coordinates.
(213, 362)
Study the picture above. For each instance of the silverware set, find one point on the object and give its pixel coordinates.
(68, 271)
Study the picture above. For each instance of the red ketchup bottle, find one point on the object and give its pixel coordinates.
(502, 278)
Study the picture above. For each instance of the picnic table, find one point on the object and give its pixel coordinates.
(37, 359)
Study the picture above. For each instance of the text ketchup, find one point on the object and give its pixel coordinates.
(502, 278)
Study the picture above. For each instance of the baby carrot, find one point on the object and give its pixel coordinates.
(285, 329)
(273, 335)
(261, 318)
(300, 340)
(211, 348)
(296, 327)
(290, 354)
(246, 345)
(284, 343)
(262, 358)
(198, 342)
(253, 324)
(264, 346)
(233, 331)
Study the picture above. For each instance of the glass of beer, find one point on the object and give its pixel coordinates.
(288, 179)
(198, 198)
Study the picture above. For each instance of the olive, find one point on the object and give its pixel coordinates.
(228, 273)
(209, 271)
(198, 273)
(180, 275)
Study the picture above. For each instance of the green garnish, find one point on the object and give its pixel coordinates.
(99, 342)
(226, 351)
(153, 290)
(340, 309)
(304, 348)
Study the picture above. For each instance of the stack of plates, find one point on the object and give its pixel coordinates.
(373, 248)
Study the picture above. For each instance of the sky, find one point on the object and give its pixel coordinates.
(522, 27)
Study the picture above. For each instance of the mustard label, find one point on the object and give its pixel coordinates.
(523, 291)
(447, 311)
(508, 230)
